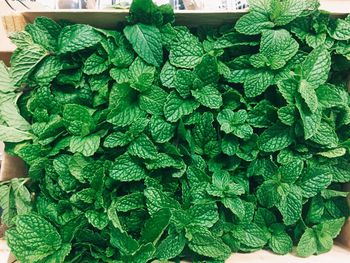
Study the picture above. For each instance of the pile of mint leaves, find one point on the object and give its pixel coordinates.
(157, 142)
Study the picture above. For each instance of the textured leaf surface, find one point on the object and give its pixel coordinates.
(77, 37)
(125, 169)
(146, 41)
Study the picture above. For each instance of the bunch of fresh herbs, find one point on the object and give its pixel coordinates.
(163, 142)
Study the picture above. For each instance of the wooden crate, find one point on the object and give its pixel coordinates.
(14, 167)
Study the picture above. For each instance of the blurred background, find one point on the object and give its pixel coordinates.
(211, 5)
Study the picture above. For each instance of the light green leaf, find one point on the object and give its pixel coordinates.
(87, 145)
(275, 138)
(97, 219)
(23, 62)
(143, 148)
(317, 66)
(125, 169)
(278, 46)
(253, 23)
(146, 41)
(175, 107)
(95, 64)
(161, 130)
(77, 37)
(208, 96)
(8, 134)
(307, 245)
(314, 180)
(171, 246)
(187, 54)
(257, 83)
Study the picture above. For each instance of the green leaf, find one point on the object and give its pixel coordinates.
(97, 219)
(125, 169)
(77, 37)
(152, 100)
(171, 246)
(167, 75)
(275, 138)
(143, 148)
(205, 244)
(314, 180)
(280, 242)
(267, 194)
(205, 137)
(308, 93)
(156, 200)
(8, 134)
(253, 23)
(5, 79)
(95, 64)
(208, 96)
(340, 29)
(235, 205)
(87, 145)
(257, 83)
(117, 139)
(10, 114)
(130, 202)
(326, 135)
(287, 114)
(161, 130)
(48, 70)
(187, 54)
(290, 205)
(251, 235)
(286, 11)
(307, 245)
(262, 115)
(278, 46)
(155, 226)
(78, 119)
(146, 41)
(311, 121)
(317, 66)
(33, 238)
(123, 242)
(208, 70)
(234, 122)
(24, 61)
(144, 254)
(175, 107)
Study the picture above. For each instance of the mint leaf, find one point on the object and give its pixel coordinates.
(307, 245)
(208, 96)
(257, 83)
(275, 138)
(86, 145)
(161, 130)
(316, 66)
(186, 54)
(146, 41)
(234, 122)
(24, 61)
(175, 107)
(77, 37)
(125, 169)
(171, 246)
(33, 238)
(314, 180)
(278, 46)
(143, 147)
(253, 23)
(204, 243)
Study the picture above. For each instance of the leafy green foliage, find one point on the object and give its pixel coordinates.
(160, 142)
